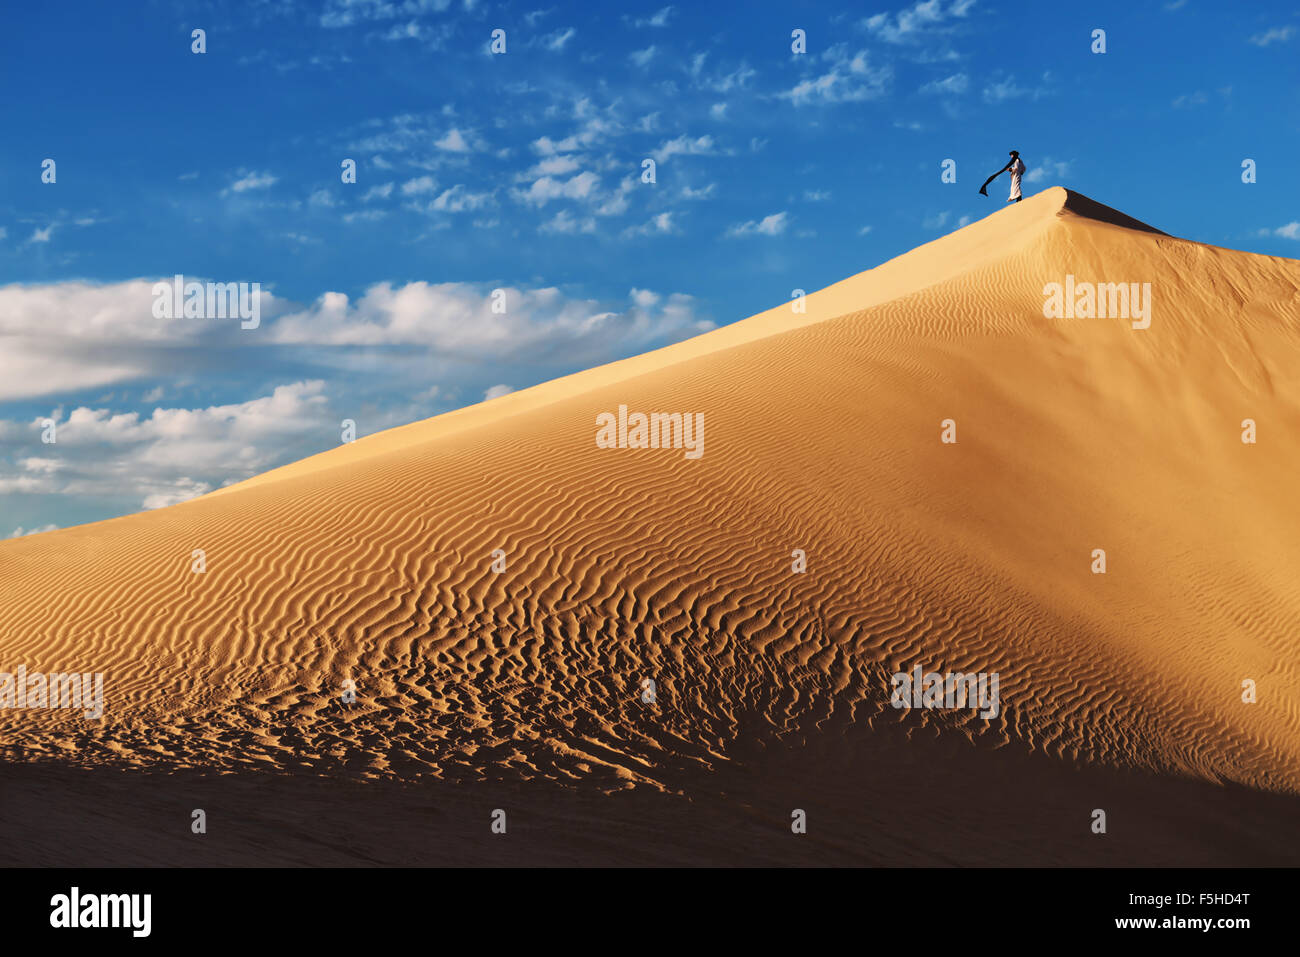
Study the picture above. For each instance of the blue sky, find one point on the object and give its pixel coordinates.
(522, 171)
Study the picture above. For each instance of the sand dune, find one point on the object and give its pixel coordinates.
(521, 688)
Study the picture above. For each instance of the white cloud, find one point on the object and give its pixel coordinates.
(180, 490)
(956, 84)
(658, 19)
(346, 13)
(71, 336)
(496, 391)
(555, 165)
(1190, 99)
(410, 135)
(559, 39)
(1274, 35)
(615, 203)
(851, 79)
(383, 191)
(594, 129)
(41, 235)
(657, 225)
(42, 465)
(26, 484)
(421, 184)
(772, 225)
(458, 199)
(1047, 167)
(917, 21)
(456, 319)
(19, 532)
(720, 81)
(1006, 88)
(564, 223)
(547, 188)
(642, 58)
(684, 146)
(453, 141)
(406, 31)
(173, 454)
(251, 181)
(1289, 231)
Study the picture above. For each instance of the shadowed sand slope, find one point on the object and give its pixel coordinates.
(480, 688)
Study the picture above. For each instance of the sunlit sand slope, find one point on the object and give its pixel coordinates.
(378, 563)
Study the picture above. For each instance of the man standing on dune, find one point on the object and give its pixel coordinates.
(1017, 168)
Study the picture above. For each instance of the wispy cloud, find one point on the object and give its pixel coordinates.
(658, 225)
(1045, 168)
(916, 22)
(956, 84)
(418, 185)
(683, 146)
(454, 141)
(345, 13)
(772, 225)
(251, 181)
(851, 78)
(565, 223)
(558, 40)
(547, 188)
(19, 532)
(658, 19)
(1005, 87)
(1274, 35)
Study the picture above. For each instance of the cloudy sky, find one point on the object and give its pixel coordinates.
(523, 172)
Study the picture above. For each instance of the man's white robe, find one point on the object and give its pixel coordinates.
(1016, 170)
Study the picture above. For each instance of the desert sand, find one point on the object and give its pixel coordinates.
(521, 689)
